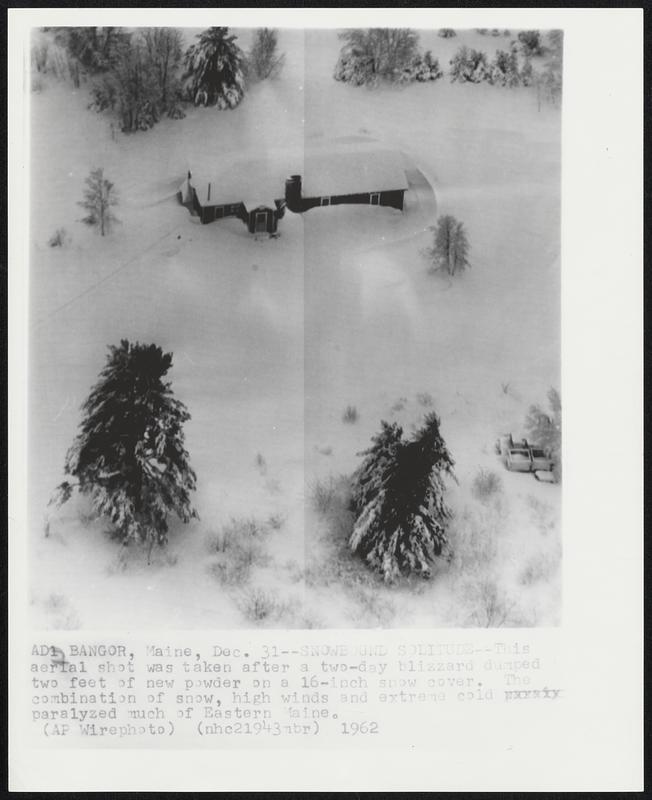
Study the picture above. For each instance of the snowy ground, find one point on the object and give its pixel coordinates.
(273, 339)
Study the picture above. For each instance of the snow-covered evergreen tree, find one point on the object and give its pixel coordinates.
(99, 198)
(129, 456)
(545, 429)
(399, 500)
(214, 73)
(263, 60)
(469, 66)
(422, 69)
(372, 54)
(450, 248)
(368, 478)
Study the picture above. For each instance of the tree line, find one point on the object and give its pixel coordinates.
(143, 75)
(371, 56)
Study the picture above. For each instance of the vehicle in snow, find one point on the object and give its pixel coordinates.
(523, 457)
(541, 460)
(518, 458)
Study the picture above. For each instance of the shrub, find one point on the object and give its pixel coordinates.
(423, 68)
(59, 238)
(240, 547)
(469, 66)
(259, 605)
(446, 33)
(261, 464)
(323, 495)
(531, 43)
(350, 415)
(492, 607)
(486, 485)
(425, 399)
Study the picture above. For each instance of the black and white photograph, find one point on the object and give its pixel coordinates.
(295, 327)
(296, 299)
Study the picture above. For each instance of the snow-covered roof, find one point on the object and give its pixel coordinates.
(338, 167)
(351, 168)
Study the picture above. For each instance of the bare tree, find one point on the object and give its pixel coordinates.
(99, 198)
(450, 248)
(377, 52)
(263, 60)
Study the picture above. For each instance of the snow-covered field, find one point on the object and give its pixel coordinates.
(273, 339)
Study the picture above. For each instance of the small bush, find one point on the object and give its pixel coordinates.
(276, 521)
(495, 32)
(400, 404)
(492, 607)
(482, 31)
(507, 32)
(486, 485)
(531, 43)
(446, 33)
(59, 238)
(235, 532)
(425, 399)
(350, 415)
(323, 496)
(261, 464)
(259, 605)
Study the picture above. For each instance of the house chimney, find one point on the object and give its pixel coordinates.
(293, 193)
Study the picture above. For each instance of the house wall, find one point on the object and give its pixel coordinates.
(272, 219)
(392, 198)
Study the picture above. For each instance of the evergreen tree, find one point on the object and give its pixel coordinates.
(399, 500)
(129, 456)
(450, 249)
(545, 429)
(214, 70)
(263, 60)
(369, 477)
(99, 198)
(372, 54)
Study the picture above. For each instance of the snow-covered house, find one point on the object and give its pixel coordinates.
(353, 173)
(258, 190)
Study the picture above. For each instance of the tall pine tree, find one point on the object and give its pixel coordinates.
(129, 456)
(214, 70)
(398, 496)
